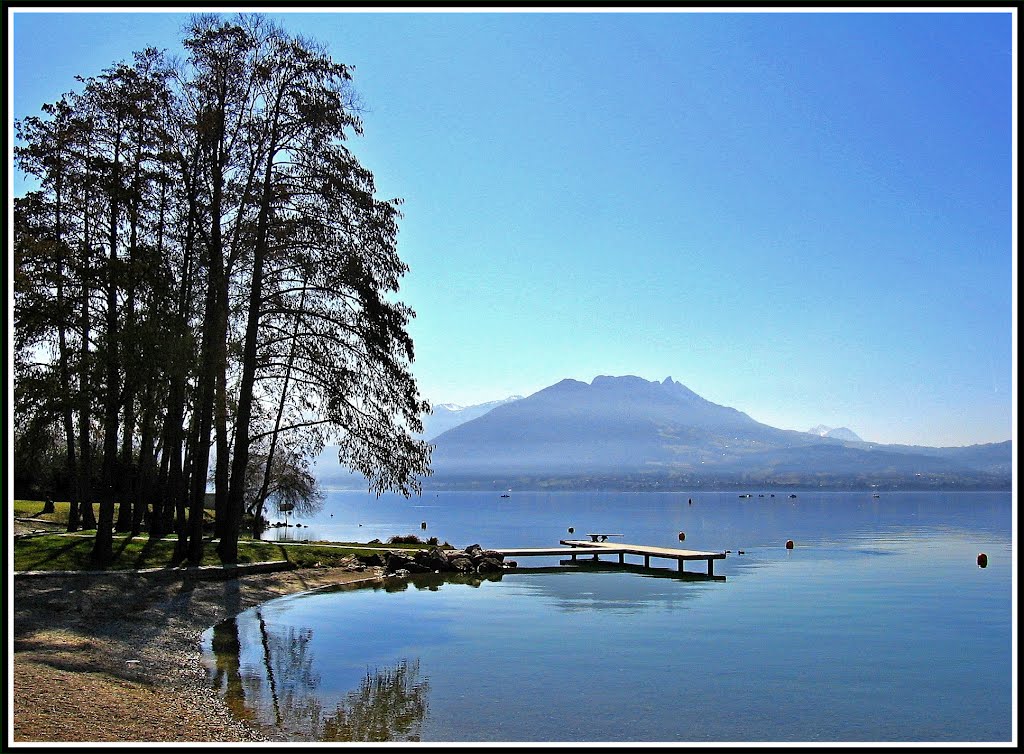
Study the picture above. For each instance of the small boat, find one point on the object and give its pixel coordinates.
(505, 494)
(792, 495)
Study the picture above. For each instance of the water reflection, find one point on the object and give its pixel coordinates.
(282, 693)
(434, 581)
(389, 705)
(613, 588)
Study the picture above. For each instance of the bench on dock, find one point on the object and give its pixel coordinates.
(577, 547)
(647, 551)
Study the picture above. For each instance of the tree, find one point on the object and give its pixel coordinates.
(317, 257)
(205, 270)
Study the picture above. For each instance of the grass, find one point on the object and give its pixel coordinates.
(55, 552)
(34, 509)
(72, 552)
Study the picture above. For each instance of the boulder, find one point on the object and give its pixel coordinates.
(463, 564)
(373, 559)
(434, 559)
(485, 565)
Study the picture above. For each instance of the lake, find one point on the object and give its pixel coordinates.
(878, 626)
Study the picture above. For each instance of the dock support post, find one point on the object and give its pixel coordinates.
(595, 557)
(647, 561)
(622, 558)
(711, 567)
(681, 561)
(573, 555)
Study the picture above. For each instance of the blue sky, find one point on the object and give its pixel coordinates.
(806, 216)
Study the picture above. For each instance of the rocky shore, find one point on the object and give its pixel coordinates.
(473, 559)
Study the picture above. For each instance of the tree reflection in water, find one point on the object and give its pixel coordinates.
(280, 692)
(389, 705)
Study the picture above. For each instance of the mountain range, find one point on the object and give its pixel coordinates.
(448, 415)
(840, 433)
(630, 433)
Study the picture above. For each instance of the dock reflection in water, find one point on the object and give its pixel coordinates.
(281, 693)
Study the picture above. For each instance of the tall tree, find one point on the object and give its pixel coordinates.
(206, 273)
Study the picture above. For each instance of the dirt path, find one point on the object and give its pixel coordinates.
(117, 657)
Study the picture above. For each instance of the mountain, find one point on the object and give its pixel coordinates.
(839, 433)
(448, 415)
(627, 432)
(445, 416)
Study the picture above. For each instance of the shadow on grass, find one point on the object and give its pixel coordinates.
(149, 550)
(55, 554)
(120, 550)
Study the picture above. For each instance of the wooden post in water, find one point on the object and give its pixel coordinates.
(711, 567)
(647, 561)
(681, 561)
(622, 558)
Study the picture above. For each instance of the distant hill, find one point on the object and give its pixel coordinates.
(839, 433)
(448, 415)
(627, 432)
(445, 416)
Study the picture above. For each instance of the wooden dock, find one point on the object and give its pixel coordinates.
(574, 548)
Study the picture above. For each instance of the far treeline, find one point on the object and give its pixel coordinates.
(205, 277)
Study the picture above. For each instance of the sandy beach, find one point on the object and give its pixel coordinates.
(117, 657)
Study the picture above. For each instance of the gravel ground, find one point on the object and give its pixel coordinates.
(117, 657)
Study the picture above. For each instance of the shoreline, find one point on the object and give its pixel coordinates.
(117, 657)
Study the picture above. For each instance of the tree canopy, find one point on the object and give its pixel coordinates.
(206, 275)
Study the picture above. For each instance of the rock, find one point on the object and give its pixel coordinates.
(373, 559)
(433, 559)
(486, 565)
(463, 564)
(396, 562)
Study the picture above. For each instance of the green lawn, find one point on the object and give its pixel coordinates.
(55, 552)
(71, 552)
(34, 509)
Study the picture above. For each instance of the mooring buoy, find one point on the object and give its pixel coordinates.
(789, 544)
(983, 560)
(571, 530)
(423, 524)
(682, 536)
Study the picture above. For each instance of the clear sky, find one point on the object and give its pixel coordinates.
(807, 216)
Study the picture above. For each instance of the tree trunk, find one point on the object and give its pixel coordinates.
(265, 486)
(63, 354)
(87, 516)
(144, 476)
(103, 551)
(228, 547)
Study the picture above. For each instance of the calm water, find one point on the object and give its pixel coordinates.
(878, 626)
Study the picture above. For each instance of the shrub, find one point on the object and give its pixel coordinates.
(404, 539)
